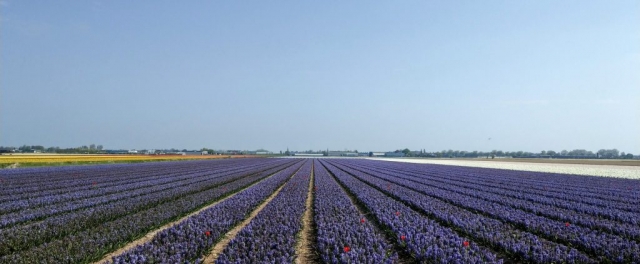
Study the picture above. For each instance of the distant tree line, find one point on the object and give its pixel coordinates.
(91, 149)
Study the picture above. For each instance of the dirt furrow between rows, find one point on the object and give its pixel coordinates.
(149, 236)
(305, 249)
(226, 239)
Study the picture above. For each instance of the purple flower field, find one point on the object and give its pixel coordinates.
(362, 211)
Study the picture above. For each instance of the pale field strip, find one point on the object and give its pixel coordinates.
(630, 172)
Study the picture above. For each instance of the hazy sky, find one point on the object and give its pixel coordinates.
(531, 75)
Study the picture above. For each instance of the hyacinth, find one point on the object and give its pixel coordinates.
(183, 241)
(120, 208)
(338, 227)
(433, 213)
(425, 237)
(470, 194)
(270, 236)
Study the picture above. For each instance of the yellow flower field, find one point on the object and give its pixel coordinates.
(43, 159)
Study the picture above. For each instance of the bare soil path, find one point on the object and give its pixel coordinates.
(146, 238)
(226, 239)
(304, 249)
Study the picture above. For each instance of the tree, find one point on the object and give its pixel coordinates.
(551, 153)
(543, 153)
(406, 151)
(628, 156)
(92, 146)
(564, 152)
(99, 147)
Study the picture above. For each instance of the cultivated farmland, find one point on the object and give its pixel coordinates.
(314, 211)
(34, 160)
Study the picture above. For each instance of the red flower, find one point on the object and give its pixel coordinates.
(346, 249)
(362, 220)
(567, 224)
(397, 213)
(207, 233)
(403, 237)
(465, 243)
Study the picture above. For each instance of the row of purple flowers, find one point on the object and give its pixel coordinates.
(81, 182)
(190, 182)
(575, 188)
(340, 225)
(94, 238)
(602, 246)
(194, 237)
(539, 205)
(425, 239)
(270, 237)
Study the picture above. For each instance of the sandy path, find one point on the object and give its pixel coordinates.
(153, 233)
(304, 248)
(226, 239)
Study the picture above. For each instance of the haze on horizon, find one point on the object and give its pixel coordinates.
(530, 75)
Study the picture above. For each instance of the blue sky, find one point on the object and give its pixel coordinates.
(532, 75)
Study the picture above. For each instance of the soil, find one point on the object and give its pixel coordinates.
(226, 239)
(149, 236)
(304, 249)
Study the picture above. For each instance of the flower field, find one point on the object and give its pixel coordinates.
(65, 159)
(362, 211)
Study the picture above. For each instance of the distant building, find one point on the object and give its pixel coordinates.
(262, 153)
(342, 154)
(308, 154)
(394, 154)
(116, 151)
(194, 153)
